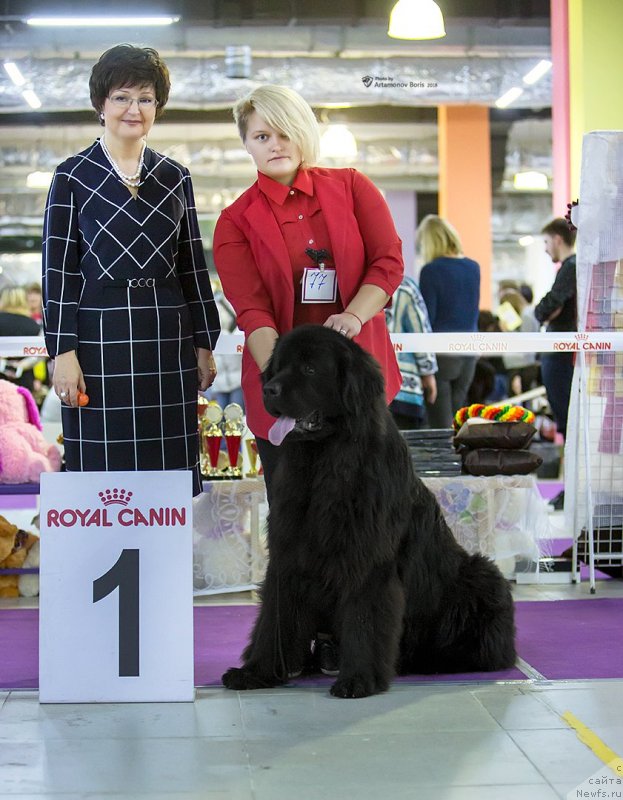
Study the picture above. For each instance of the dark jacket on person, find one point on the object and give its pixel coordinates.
(562, 294)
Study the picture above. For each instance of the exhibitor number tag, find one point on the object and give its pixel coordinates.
(319, 285)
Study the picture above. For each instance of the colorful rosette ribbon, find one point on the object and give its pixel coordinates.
(507, 413)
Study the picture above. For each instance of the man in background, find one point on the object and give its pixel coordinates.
(558, 310)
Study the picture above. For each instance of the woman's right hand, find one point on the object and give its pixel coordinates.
(67, 378)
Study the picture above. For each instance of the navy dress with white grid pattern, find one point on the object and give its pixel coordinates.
(125, 284)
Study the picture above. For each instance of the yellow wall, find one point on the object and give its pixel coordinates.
(595, 73)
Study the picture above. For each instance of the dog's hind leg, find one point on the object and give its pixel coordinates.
(281, 638)
(370, 627)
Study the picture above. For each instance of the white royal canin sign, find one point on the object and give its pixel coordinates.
(116, 602)
(466, 343)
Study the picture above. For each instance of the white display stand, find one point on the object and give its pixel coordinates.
(116, 605)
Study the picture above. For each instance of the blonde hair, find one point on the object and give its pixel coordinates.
(13, 300)
(285, 111)
(436, 237)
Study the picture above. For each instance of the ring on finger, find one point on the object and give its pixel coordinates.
(62, 394)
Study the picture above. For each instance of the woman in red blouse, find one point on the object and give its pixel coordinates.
(297, 215)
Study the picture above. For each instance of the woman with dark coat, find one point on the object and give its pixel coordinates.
(129, 314)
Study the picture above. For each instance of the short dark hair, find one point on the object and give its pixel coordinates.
(127, 65)
(561, 227)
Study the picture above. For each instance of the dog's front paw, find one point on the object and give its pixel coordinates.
(355, 686)
(241, 679)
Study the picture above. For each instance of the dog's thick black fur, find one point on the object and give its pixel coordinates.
(355, 537)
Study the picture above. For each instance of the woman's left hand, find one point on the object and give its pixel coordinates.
(206, 368)
(345, 323)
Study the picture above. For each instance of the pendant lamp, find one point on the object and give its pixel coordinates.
(416, 19)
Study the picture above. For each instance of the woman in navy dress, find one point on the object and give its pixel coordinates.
(129, 315)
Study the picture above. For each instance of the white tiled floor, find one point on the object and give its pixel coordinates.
(450, 741)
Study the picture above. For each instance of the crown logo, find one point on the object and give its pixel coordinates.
(478, 337)
(581, 336)
(111, 496)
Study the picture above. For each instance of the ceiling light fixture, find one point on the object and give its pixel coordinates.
(99, 22)
(338, 142)
(14, 74)
(509, 97)
(531, 181)
(525, 241)
(536, 73)
(31, 98)
(416, 19)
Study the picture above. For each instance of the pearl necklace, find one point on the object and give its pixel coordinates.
(129, 180)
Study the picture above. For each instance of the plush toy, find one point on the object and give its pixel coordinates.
(24, 452)
(14, 546)
(28, 583)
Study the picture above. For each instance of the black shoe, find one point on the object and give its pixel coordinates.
(558, 502)
(327, 655)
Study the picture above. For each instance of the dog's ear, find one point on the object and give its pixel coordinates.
(362, 381)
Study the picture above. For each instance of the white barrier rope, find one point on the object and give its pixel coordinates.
(457, 343)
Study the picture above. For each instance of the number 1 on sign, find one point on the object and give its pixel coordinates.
(124, 575)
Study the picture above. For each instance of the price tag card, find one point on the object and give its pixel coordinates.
(319, 285)
(116, 601)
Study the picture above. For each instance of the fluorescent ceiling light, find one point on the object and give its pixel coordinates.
(39, 180)
(509, 97)
(338, 142)
(525, 241)
(31, 98)
(98, 22)
(14, 74)
(531, 181)
(416, 19)
(537, 72)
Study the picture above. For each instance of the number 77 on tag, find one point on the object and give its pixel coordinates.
(319, 285)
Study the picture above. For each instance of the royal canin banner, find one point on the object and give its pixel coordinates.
(465, 343)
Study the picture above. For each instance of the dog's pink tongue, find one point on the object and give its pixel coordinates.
(280, 429)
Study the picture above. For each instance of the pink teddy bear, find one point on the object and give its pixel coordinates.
(24, 453)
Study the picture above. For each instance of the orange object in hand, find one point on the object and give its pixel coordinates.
(83, 399)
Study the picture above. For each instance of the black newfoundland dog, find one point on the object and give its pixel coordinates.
(356, 538)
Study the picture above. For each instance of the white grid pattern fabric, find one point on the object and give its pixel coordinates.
(136, 346)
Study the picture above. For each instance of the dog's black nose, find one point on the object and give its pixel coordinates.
(272, 389)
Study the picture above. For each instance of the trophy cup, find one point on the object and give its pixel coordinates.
(234, 428)
(251, 445)
(211, 435)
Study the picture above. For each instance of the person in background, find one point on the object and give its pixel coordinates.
(15, 320)
(558, 311)
(226, 386)
(408, 315)
(35, 301)
(295, 220)
(129, 315)
(489, 382)
(522, 369)
(450, 286)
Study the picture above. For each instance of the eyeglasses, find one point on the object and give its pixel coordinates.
(125, 101)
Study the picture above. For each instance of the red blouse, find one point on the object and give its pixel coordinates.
(254, 254)
(298, 214)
